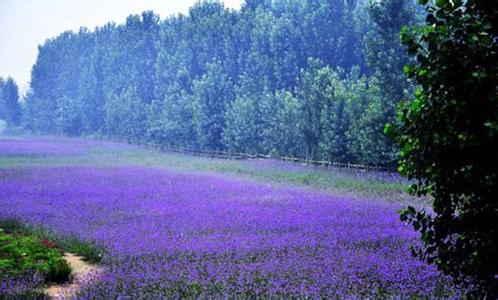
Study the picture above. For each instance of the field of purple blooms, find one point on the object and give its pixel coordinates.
(173, 233)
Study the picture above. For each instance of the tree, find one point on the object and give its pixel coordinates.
(125, 116)
(285, 42)
(324, 121)
(368, 144)
(36, 117)
(449, 140)
(170, 120)
(10, 108)
(243, 120)
(310, 92)
(362, 94)
(335, 120)
(386, 56)
(68, 116)
(186, 72)
(281, 133)
(212, 94)
(3, 112)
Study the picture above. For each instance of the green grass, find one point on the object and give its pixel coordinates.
(331, 180)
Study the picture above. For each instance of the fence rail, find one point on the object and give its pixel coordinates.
(239, 156)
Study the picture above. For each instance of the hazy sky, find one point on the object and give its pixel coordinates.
(25, 24)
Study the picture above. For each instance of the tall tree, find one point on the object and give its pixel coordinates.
(3, 112)
(212, 93)
(10, 108)
(335, 119)
(449, 140)
(386, 56)
(282, 133)
(243, 119)
(315, 91)
(125, 116)
(170, 120)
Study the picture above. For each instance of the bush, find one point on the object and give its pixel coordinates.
(88, 250)
(23, 254)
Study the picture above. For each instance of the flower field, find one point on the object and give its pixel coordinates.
(177, 233)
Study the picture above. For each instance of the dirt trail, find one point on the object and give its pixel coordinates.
(80, 269)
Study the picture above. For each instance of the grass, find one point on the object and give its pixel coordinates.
(335, 180)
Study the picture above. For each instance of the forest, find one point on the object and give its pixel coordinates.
(310, 79)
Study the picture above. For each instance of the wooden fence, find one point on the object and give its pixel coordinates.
(238, 156)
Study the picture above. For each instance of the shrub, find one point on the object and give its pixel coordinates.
(22, 254)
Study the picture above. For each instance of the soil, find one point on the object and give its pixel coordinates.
(80, 269)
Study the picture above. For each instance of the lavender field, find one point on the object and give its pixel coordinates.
(170, 225)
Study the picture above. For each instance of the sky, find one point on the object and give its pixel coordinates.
(25, 24)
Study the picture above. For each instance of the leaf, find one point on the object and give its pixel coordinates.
(422, 73)
(431, 19)
(416, 225)
(388, 129)
(407, 69)
(442, 3)
(404, 215)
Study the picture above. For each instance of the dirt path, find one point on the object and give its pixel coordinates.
(80, 269)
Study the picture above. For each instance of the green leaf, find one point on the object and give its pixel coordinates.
(441, 3)
(422, 73)
(407, 69)
(416, 105)
(418, 93)
(412, 188)
(406, 37)
(388, 129)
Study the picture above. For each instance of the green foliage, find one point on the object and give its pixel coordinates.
(448, 137)
(311, 92)
(20, 254)
(324, 115)
(88, 250)
(281, 134)
(335, 119)
(68, 119)
(368, 144)
(277, 77)
(125, 116)
(212, 94)
(244, 122)
(170, 120)
(387, 56)
(10, 108)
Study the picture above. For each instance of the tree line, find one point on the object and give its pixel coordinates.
(314, 79)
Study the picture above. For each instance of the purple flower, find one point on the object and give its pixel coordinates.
(171, 234)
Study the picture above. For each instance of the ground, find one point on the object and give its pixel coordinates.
(80, 270)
